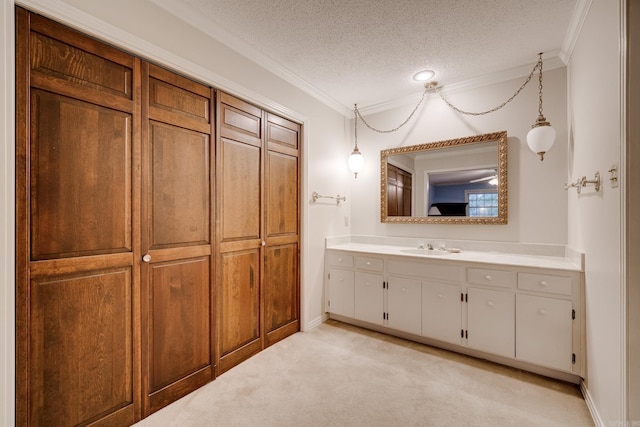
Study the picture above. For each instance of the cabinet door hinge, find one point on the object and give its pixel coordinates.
(573, 358)
(573, 314)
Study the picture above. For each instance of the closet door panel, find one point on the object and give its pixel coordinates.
(77, 225)
(81, 345)
(282, 215)
(176, 238)
(240, 196)
(281, 295)
(180, 180)
(282, 195)
(239, 308)
(179, 320)
(55, 59)
(80, 178)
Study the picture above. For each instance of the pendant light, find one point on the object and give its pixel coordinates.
(356, 161)
(541, 136)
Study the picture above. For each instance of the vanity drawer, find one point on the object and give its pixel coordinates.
(369, 263)
(341, 260)
(481, 276)
(545, 283)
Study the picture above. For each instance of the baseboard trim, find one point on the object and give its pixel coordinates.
(591, 406)
(315, 322)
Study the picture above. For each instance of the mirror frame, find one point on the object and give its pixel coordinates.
(499, 137)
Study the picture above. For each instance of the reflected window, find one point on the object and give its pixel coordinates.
(482, 203)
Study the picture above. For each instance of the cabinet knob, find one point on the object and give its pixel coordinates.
(488, 277)
(146, 258)
(542, 311)
(440, 296)
(404, 289)
(543, 284)
(490, 303)
(368, 262)
(264, 243)
(339, 259)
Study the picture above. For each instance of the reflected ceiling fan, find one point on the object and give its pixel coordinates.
(492, 179)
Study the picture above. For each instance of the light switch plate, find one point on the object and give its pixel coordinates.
(614, 175)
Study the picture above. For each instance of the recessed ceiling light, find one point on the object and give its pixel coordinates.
(424, 75)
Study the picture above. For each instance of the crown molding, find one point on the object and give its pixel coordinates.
(578, 17)
(204, 24)
(89, 24)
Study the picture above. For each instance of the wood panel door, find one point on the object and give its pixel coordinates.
(282, 229)
(77, 181)
(176, 238)
(239, 231)
(399, 183)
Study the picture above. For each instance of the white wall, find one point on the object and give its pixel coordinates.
(537, 200)
(7, 219)
(149, 31)
(594, 218)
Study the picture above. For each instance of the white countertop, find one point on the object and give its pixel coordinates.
(521, 260)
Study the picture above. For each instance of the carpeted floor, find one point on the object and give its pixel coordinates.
(340, 375)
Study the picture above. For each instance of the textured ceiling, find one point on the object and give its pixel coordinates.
(365, 51)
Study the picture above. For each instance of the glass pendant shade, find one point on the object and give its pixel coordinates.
(540, 138)
(356, 161)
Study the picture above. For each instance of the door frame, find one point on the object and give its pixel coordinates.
(631, 203)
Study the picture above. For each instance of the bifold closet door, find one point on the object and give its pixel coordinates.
(176, 238)
(77, 215)
(239, 210)
(282, 229)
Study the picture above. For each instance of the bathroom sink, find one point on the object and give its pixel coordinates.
(425, 252)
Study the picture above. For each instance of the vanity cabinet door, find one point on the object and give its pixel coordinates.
(341, 292)
(404, 305)
(491, 321)
(442, 312)
(369, 298)
(544, 320)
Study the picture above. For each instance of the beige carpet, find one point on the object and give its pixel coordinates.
(340, 375)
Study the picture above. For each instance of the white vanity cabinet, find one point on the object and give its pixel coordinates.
(340, 284)
(491, 321)
(404, 304)
(442, 312)
(522, 315)
(368, 298)
(546, 319)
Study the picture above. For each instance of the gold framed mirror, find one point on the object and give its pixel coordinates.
(456, 181)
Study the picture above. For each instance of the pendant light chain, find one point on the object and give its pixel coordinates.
(538, 65)
(540, 86)
(357, 114)
(453, 107)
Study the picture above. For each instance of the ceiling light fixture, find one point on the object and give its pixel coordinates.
(424, 75)
(356, 161)
(541, 136)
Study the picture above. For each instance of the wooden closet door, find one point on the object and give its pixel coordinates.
(282, 218)
(77, 215)
(176, 242)
(239, 183)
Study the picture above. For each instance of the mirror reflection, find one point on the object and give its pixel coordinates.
(461, 181)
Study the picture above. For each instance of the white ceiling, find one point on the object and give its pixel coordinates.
(366, 51)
